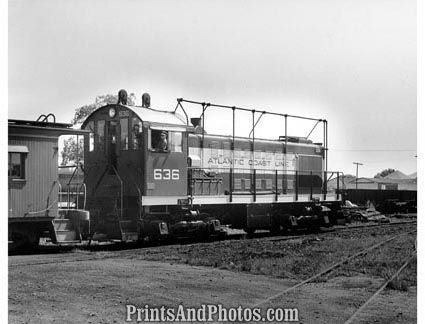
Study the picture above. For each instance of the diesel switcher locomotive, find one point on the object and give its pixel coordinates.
(151, 174)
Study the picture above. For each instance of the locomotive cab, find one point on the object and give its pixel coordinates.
(135, 168)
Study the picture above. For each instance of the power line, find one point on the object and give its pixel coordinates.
(371, 150)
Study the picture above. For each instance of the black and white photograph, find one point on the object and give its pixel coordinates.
(187, 161)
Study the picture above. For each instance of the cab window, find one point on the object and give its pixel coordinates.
(100, 132)
(124, 133)
(90, 127)
(176, 139)
(136, 133)
(166, 141)
(159, 140)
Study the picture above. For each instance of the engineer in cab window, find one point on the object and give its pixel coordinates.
(137, 140)
(162, 144)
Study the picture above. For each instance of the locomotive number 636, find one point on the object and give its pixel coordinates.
(166, 174)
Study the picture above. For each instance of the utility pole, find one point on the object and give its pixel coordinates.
(357, 171)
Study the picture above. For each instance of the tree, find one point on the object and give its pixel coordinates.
(384, 173)
(82, 112)
(70, 154)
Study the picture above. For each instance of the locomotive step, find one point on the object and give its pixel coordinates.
(65, 235)
(63, 224)
(159, 213)
(68, 242)
(129, 236)
(62, 214)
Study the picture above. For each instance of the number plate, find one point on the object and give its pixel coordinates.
(166, 174)
(123, 113)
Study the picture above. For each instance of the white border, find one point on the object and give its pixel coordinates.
(3, 159)
(420, 159)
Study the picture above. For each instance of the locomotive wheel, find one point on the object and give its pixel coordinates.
(18, 242)
(279, 229)
(202, 234)
(313, 228)
(23, 241)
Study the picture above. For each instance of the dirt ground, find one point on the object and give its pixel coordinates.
(96, 291)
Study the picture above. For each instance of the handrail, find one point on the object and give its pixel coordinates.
(46, 118)
(139, 199)
(60, 191)
(139, 196)
(107, 165)
(245, 109)
(184, 111)
(73, 173)
(85, 194)
(74, 192)
(206, 105)
(121, 191)
(264, 170)
(272, 175)
(101, 177)
(77, 186)
(77, 192)
(70, 179)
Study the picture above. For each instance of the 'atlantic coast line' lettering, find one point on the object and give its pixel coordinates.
(223, 161)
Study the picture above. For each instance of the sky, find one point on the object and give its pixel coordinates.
(351, 62)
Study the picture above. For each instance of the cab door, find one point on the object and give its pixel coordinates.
(166, 162)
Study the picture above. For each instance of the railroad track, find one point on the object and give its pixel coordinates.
(342, 262)
(131, 249)
(383, 286)
(343, 229)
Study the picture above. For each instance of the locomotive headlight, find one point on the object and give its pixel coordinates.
(112, 112)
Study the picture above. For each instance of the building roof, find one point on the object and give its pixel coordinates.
(380, 180)
(38, 123)
(20, 127)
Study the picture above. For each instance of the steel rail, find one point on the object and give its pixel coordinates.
(359, 310)
(339, 230)
(329, 269)
(53, 258)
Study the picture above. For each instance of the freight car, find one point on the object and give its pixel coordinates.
(33, 187)
(151, 174)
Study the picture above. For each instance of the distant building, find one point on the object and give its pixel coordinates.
(386, 183)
